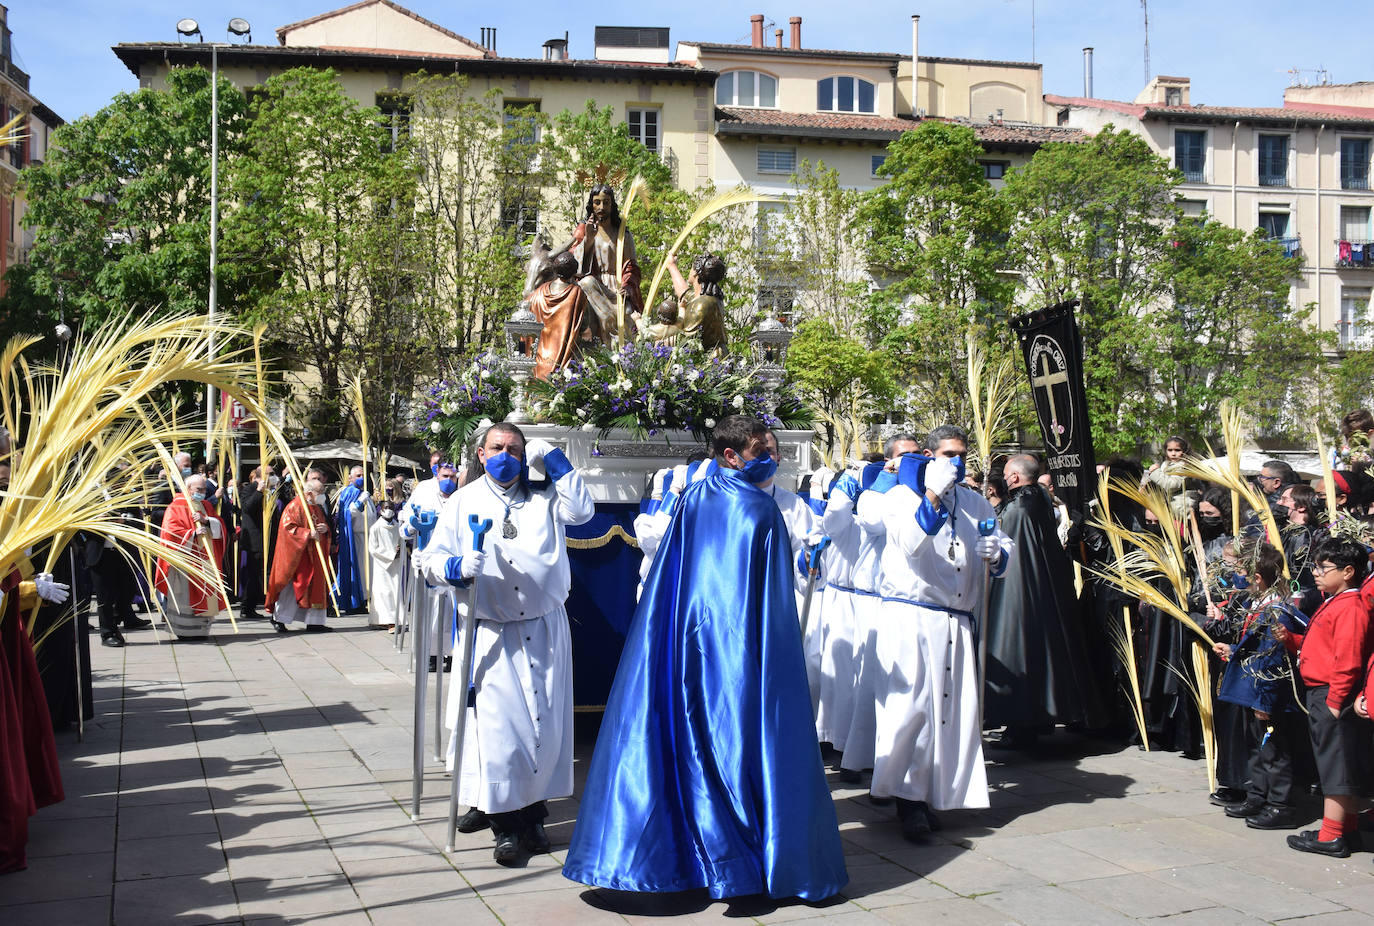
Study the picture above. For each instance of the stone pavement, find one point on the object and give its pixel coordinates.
(263, 778)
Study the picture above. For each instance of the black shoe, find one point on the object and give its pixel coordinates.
(1309, 841)
(916, 827)
(113, 638)
(850, 776)
(278, 626)
(877, 801)
(250, 616)
(448, 663)
(534, 839)
(1249, 807)
(474, 821)
(1223, 796)
(931, 820)
(1273, 818)
(318, 628)
(433, 663)
(137, 623)
(507, 849)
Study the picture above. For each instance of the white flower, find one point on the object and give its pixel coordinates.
(450, 408)
(588, 426)
(677, 369)
(557, 401)
(486, 374)
(737, 401)
(484, 423)
(693, 376)
(710, 422)
(615, 358)
(435, 426)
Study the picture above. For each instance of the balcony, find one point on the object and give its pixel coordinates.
(1273, 179)
(1355, 252)
(1193, 176)
(1354, 336)
(1354, 182)
(1292, 247)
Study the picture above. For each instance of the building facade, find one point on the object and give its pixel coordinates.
(32, 146)
(1299, 173)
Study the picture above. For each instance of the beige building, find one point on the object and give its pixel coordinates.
(32, 147)
(1300, 173)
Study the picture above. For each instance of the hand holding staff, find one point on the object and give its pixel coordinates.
(479, 527)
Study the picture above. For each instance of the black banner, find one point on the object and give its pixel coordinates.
(1053, 350)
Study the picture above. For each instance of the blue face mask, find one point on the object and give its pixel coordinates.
(1240, 580)
(503, 467)
(358, 483)
(197, 496)
(185, 471)
(447, 486)
(759, 469)
(434, 469)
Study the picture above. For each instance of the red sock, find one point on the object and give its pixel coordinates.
(1330, 829)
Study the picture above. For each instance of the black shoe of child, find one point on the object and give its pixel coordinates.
(1246, 808)
(534, 839)
(1223, 796)
(507, 849)
(1309, 841)
(112, 638)
(1273, 818)
(137, 623)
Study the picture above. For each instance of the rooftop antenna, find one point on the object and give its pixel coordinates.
(1145, 8)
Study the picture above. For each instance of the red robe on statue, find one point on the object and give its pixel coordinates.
(179, 532)
(29, 774)
(296, 561)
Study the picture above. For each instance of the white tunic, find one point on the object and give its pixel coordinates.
(387, 552)
(518, 746)
(800, 519)
(835, 630)
(929, 746)
(860, 743)
(436, 597)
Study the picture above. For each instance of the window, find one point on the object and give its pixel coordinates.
(1190, 153)
(520, 214)
(876, 162)
(1193, 208)
(1354, 247)
(395, 112)
(521, 122)
(777, 160)
(643, 127)
(1273, 160)
(747, 88)
(1274, 224)
(844, 95)
(1173, 96)
(1354, 324)
(776, 301)
(1355, 223)
(994, 170)
(1354, 163)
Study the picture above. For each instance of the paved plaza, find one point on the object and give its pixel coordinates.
(257, 777)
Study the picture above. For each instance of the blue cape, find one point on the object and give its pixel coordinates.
(349, 587)
(706, 772)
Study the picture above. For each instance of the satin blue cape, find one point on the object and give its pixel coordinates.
(349, 588)
(706, 773)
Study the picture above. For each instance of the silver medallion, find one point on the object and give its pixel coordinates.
(508, 529)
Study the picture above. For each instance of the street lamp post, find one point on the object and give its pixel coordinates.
(190, 27)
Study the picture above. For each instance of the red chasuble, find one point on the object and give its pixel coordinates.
(296, 561)
(179, 532)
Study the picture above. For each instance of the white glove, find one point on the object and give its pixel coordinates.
(679, 478)
(50, 591)
(473, 561)
(815, 536)
(820, 481)
(657, 487)
(940, 475)
(988, 548)
(535, 450)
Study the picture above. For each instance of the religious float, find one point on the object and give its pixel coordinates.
(624, 397)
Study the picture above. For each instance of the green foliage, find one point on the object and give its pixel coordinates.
(321, 213)
(1226, 329)
(120, 209)
(1091, 221)
(841, 378)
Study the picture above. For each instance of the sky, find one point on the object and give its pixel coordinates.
(1236, 53)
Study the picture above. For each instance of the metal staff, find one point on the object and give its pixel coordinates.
(438, 658)
(479, 532)
(421, 651)
(986, 527)
(813, 570)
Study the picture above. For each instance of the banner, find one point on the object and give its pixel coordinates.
(1053, 351)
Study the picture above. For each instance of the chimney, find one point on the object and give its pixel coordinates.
(915, 60)
(1088, 72)
(756, 30)
(795, 23)
(777, 36)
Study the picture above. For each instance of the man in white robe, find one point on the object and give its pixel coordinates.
(518, 743)
(430, 498)
(387, 551)
(930, 749)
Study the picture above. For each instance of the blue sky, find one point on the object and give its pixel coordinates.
(1237, 53)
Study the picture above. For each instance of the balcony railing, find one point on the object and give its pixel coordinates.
(1292, 247)
(1273, 179)
(1355, 252)
(1355, 336)
(1351, 182)
(1193, 176)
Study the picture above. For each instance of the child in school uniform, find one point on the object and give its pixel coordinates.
(1332, 659)
(1259, 678)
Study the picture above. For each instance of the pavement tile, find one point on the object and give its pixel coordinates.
(294, 896)
(165, 856)
(289, 857)
(1246, 892)
(383, 881)
(67, 837)
(87, 911)
(1140, 897)
(187, 899)
(468, 911)
(1360, 898)
(1051, 906)
(1048, 859)
(154, 820)
(59, 877)
(957, 912)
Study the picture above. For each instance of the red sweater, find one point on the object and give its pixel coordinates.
(1336, 647)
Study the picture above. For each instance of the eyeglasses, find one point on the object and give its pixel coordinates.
(1321, 570)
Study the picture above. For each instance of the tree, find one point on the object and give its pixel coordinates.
(322, 213)
(1092, 220)
(936, 233)
(1224, 331)
(121, 207)
(841, 379)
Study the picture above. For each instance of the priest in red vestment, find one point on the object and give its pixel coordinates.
(299, 586)
(191, 526)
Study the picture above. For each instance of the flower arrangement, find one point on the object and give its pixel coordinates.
(1354, 452)
(650, 388)
(454, 406)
